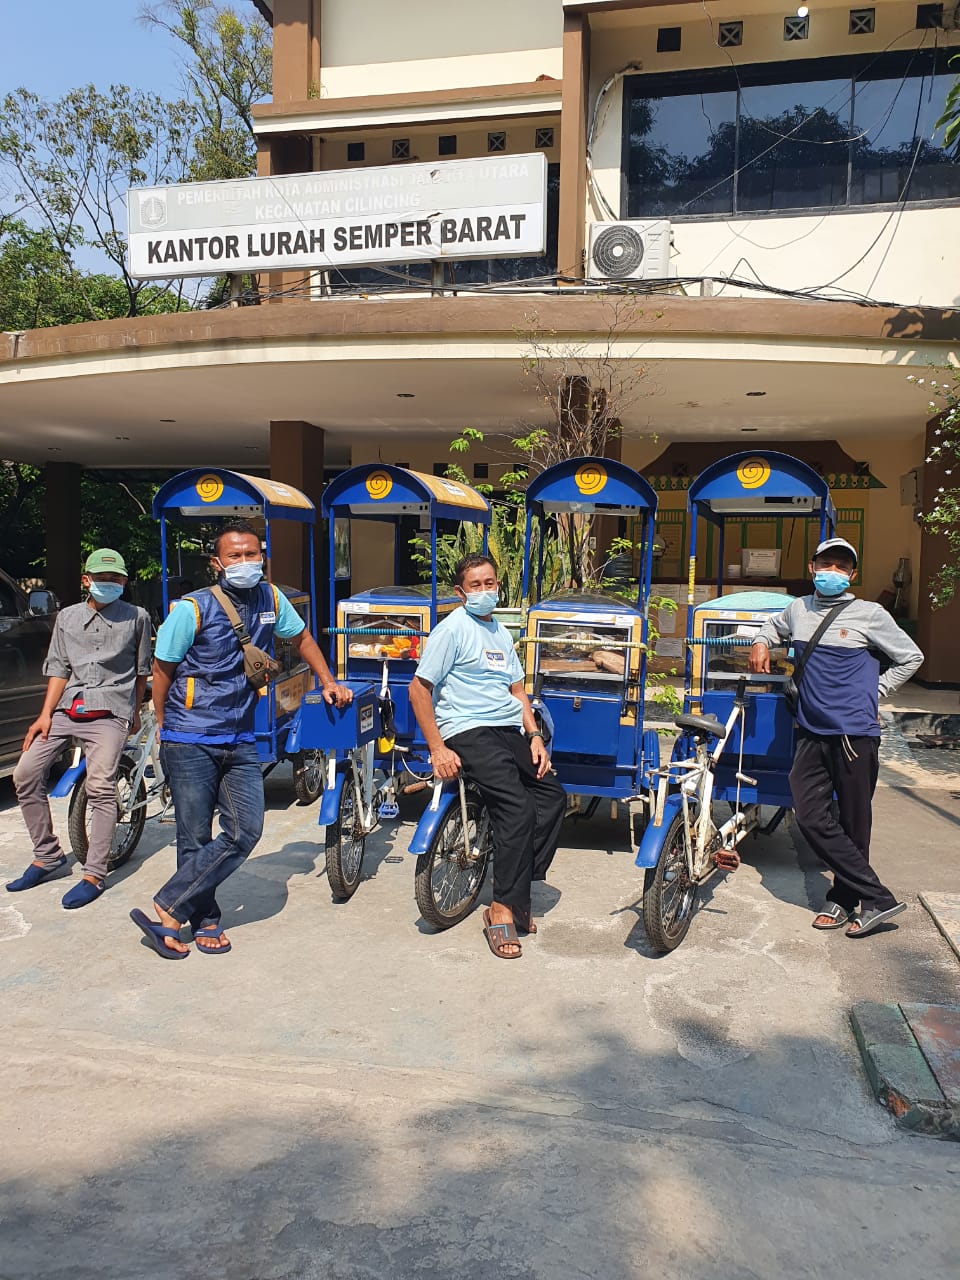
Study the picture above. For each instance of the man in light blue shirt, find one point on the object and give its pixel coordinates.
(470, 703)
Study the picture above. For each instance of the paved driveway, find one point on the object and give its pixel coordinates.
(349, 1095)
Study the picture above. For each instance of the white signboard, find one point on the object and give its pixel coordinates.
(488, 208)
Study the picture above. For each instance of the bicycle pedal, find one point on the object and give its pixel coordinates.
(389, 809)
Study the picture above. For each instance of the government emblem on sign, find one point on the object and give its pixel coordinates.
(153, 210)
(590, 477)
(378, 485)
(753, 473)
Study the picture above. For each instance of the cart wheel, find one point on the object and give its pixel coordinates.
(448, 881)
(345, 841)
(669, 895)
(308, 775)
(131, 816)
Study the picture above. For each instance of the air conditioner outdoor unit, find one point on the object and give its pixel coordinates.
(637, 250)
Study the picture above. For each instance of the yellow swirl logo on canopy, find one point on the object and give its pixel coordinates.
(378, 485)
(209, 488)
(590, 478)
(753, 473)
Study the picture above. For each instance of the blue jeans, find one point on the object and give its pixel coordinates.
(201, 779)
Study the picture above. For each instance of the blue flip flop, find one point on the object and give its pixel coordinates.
(214, 931)
(155, 933)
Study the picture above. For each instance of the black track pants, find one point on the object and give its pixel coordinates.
(525, 811)
(825, 764)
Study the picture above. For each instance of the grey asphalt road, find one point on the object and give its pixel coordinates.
(349, 1095)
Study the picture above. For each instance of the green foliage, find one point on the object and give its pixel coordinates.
(40, 287)
(228, 69)
(66, 166)
(950, 120)
(942, 514)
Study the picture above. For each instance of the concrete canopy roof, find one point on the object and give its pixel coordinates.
(202, 387)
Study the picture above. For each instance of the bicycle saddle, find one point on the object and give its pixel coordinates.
(700, 724)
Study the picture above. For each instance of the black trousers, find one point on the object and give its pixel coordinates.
(825, 764)
(525, 811)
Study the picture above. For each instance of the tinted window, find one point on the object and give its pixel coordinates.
(843, 131)
(682, 152)
(793, 144)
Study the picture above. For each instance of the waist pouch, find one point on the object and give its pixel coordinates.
(77, 711)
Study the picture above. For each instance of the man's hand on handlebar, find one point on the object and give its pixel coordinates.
(446, 763)
(759, 660)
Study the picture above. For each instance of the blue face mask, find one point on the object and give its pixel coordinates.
(244, 575)
(829, 582)
(106, 592)
(481, 603)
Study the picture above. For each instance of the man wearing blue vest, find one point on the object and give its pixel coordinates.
(206, 706)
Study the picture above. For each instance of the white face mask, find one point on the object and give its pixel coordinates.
(244, 575)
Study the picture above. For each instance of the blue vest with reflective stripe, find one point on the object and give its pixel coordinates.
(210, 699)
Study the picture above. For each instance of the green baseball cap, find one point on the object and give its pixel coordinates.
(103, 560)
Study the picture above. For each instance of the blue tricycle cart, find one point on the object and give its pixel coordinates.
(376, 751)
(737, 734)
(211, 493)
(585, 665)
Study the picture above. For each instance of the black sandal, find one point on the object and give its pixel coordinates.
(838, 915)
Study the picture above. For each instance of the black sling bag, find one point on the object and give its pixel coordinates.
(791, 686)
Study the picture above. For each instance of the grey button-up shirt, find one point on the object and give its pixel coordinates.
(100, 653)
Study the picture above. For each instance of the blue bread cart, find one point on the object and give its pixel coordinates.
(214, 494)
(737, 735)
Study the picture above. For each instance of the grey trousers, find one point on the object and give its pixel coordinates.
(103, 742)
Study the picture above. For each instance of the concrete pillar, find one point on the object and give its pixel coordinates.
(62, 529)
(938, 630)
(573, 144)
(296, 458)
(296, 50)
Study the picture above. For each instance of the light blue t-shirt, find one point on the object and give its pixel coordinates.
(471, 665)
(178, 631)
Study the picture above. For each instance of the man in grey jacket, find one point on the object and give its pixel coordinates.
(838, 738)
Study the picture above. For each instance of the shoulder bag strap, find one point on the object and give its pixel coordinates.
(233, 617)
(815, 639)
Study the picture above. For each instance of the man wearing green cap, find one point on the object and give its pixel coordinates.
(97, 668)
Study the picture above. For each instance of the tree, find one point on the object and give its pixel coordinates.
(583, 390)
(39, 286)
(70, 162)
(228, 69)
(942, 515)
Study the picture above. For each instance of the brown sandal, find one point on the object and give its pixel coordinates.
(507, 937)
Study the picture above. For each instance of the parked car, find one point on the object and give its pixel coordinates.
(26, 625)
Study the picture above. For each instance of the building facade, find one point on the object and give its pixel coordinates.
(747, 210)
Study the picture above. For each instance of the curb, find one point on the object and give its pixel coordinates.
(898, 1070)
(945, 910)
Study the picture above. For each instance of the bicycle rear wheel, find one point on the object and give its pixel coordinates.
(669, 895)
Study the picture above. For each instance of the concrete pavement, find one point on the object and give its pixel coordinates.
(345, 1095)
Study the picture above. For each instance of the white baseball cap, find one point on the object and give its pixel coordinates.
(836, 544)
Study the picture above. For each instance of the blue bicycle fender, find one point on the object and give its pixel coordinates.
(292, 742)
(651, 842)
(330, 800)
(431, 818)
(66, 782)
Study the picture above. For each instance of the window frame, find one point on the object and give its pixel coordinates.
(932, 61)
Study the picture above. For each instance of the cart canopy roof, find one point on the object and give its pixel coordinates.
(599, 485)
(212, 491)
(759, 483)
(379, 492)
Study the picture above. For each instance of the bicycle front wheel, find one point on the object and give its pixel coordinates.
(131, 817)
(669, 895)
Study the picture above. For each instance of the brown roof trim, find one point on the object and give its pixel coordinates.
(265, 10)
(613, 6)
(563, 318)
(388, 101)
